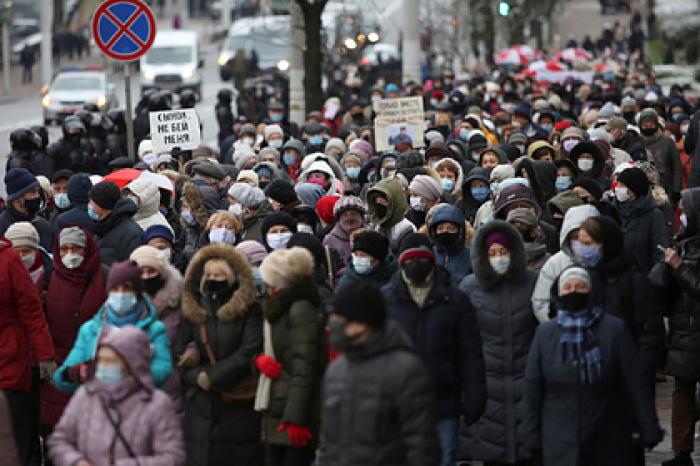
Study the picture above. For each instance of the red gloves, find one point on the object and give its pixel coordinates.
(299, 436)
(78, 373)
(268, 366)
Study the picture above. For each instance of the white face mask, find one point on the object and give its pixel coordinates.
(569, 144)
(167, 254)
(248, 141)
(622, 194)
(72, 260)
(417, 204)
(304, 228)
(361, 265)
(28, 260)
(500, 264)
(585, 164)
(221, 235)
(236, 209)
(276, 143)
(278, 240)
(150, 158)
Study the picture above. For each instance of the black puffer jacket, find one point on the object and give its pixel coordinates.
(683, 359)
(378, 406)
(507, 325)
(118, 235)
(445, 333)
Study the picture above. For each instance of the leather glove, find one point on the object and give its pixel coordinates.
(77, 373)
(203, 381)
(46, 370)
(190, 358)
(268, 366)
(299, 436)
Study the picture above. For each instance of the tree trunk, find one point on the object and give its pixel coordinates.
(313, 56)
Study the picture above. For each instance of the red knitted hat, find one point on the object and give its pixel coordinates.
(324, 208)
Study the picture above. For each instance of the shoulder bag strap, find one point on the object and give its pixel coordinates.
(205, 342)
(119, 433)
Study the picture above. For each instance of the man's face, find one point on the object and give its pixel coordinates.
(60, 186)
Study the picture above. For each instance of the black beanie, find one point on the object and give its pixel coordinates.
(360, 301)
(636, 180)
(415, 241)
(279, 218)
(373, 243)
(281, 191)
(105, 194)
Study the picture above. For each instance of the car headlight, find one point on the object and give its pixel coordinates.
(223, 59)
(373, 37)
(46, 101)
(101, 101)
(283, 65)
(187, 74)
(149, 75)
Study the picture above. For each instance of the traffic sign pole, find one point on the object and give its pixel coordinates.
(124, 30)
(128, 113)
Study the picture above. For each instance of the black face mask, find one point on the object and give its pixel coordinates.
(153, 284)
(526, 235)
(73, 138)
(417, 270)
(358, 118)
(339, 339)
(381, 210)
(32, 206)
(647, 131)
(216, 287)
(446, 239)
(573, 302)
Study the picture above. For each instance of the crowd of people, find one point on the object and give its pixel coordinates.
(505, 290)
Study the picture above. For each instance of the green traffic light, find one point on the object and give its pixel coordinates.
(503, 8)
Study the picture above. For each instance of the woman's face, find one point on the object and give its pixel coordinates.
(489, 160)
(109, 357)
(575, 285)
(278, 229)
(587, 240)
(224, 223)
(498, 250)
(448, 174)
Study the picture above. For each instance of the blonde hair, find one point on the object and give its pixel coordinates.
(226, 216)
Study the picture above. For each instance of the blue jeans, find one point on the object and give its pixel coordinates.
(448, 433)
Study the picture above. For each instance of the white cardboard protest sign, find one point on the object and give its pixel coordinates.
(175, 128)
(399, 120)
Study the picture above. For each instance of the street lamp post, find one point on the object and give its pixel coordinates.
(6, 21)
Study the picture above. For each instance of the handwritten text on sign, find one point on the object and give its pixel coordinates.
(175, 128)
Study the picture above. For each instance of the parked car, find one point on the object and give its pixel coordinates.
(173, 63)
(71, 90)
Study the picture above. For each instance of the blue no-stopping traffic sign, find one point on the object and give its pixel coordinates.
(123, 29)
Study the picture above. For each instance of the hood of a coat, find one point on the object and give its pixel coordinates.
(389, 338)
(396, 200)
(452, 214)
(149, 197)
(525, 168)
(573, 219)
(241, 299)
(587, 147)
(563, 201)
(274, 170)
(123, 209)
(168, 297)
(613, 240)
(134, 347)
(485, 274)
(203, 201)
(500, 153)
(323, 167)
(78, 189)
(690, 200)
(455, 167)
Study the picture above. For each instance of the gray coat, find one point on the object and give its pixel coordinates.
(507, 325)
(575, 424)
(378, 406)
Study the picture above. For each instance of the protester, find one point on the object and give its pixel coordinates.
(121, 399)
(361, 424)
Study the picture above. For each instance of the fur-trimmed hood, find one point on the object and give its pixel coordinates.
(168, 298)
(242, 298)
(485, 275)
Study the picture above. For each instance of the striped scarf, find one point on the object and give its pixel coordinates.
(578, 342)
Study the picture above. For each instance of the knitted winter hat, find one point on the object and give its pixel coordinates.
(573, 272)
(361, 301)
(426, 186)
(253, 251)
(72, 235)
(157, 231)
(325, 206)
(18, 182)
(273, 129)
(125, 273)
(284, 268)
(373, 243)
(497, 238)
(148, 256)
(105, 194)
(248, 196)
(636, 180)
(248, 175)
(281, 191)
(415, 246)
(349, 203)
(23, 234)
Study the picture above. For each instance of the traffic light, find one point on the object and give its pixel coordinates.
(503, 8)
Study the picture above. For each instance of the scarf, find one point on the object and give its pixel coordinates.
(129, 319)
(578, 343)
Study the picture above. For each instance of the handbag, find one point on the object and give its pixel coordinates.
(243, 391)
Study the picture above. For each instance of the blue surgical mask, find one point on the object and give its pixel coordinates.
(276, 117)
(221, 235)
(61, 200)
(562, 183)
(464, 134)
(92, 214)
(109, 374)
(316, 140)
(353, 172)
(122, 303)
(447, 184)
(289, 159)
(188, 217)
(589, 255)
(257, 276)
(480, 194)
(548, 127)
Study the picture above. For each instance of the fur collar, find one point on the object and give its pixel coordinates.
(485, 275)
(240, 301)
(167, 299)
